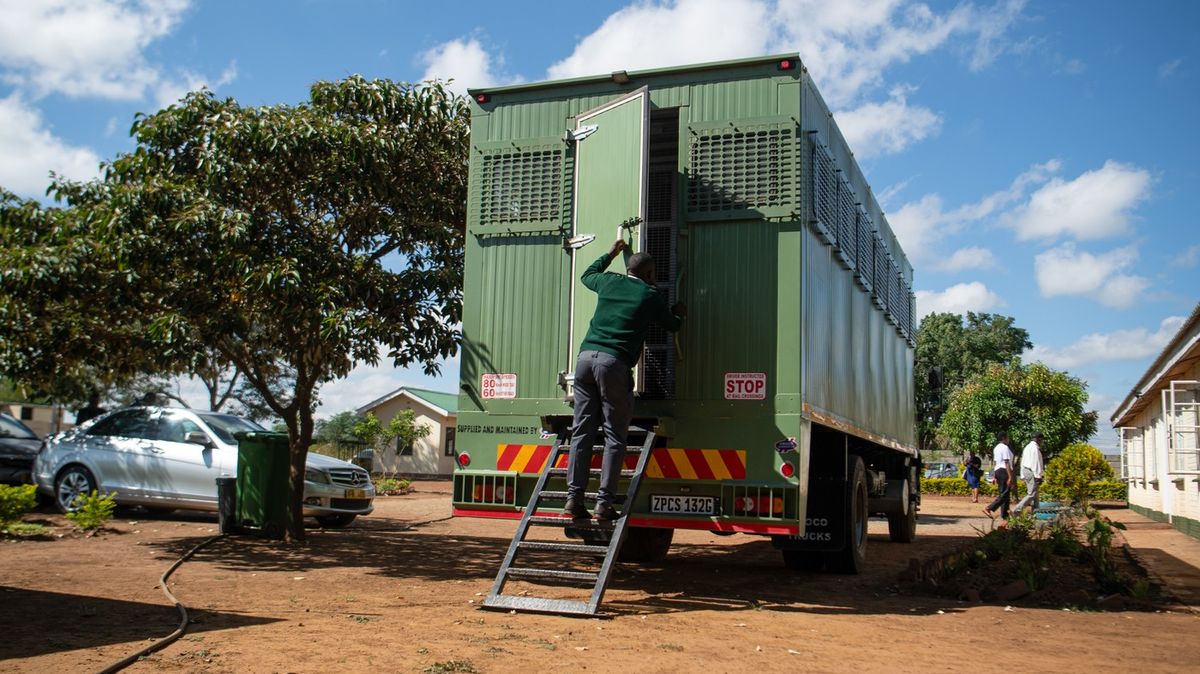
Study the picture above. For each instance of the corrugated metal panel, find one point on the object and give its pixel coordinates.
(733, 304)
(518, 121)
(520, 326)
(714, 101)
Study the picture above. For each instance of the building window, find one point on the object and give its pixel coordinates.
(26, 413)
(450, 442)
(403, 448)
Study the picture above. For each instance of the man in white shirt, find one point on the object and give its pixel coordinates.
(1003, 475)
(1032, 472)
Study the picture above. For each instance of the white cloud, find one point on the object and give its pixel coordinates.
(921, 225)
(169, 91)
(1065, 271)
(466, 62)
(972, 257)
(846, 45)
(1095, 205)
(655, 34)
(84, 47)
(1187, 258)
(959, 299)
(888, 127)
(1168, 69)
(29, 151)
(1135, 344)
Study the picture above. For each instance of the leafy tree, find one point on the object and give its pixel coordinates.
(284, 238)
(1020, 399)
(1070, 474)
(959, 350)
(337, 428)
(402, 428)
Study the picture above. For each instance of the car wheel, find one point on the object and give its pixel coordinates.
(336, 521)
(72, 482)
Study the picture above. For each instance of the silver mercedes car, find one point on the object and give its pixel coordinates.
(165, 459)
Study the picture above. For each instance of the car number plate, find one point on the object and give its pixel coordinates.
(683, 505)
(356, 493)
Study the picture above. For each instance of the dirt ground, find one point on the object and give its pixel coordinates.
(399, 590)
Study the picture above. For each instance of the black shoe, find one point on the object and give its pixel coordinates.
(606, 513)
(576, 510)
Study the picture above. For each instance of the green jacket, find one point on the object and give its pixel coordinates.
(626, 308)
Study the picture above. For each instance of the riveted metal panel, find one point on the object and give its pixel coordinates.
(515, 323)
(732, 292)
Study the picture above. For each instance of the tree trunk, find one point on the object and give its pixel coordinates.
(300, 432)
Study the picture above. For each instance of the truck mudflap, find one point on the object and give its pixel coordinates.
(823, 525)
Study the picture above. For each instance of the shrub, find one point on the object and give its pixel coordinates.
(1070, 474)
(389, 486)
(93, 510)
(16, 501)
(956, 486)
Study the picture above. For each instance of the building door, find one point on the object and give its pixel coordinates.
(610, 192)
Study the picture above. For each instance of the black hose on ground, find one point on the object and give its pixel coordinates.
(183, 614)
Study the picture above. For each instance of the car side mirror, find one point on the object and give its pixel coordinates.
(198, 438)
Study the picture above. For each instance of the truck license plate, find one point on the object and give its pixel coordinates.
(356, 493)
(683, 505)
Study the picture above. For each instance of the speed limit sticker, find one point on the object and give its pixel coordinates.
(499, 386)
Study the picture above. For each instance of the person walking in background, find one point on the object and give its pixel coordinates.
(973, 473)
(1032, 471)
(1004, 476)
(91, 411)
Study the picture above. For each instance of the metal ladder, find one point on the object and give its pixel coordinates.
(592, 531)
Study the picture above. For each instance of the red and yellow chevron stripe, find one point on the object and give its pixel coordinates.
(664, 463)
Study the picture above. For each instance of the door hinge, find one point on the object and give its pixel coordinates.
(576, 135)
(579, 241)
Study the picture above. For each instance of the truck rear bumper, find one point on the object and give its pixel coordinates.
(700, 524)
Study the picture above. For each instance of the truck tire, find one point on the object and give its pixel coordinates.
(853, 557)
(902, 527)
(643, 544)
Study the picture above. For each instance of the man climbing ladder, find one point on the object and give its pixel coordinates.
(603, 385)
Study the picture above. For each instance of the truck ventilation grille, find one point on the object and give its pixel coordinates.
(880, 280)
(824, 194)
(866, 247)
(519, 186)
(846, 224)
(742, 168)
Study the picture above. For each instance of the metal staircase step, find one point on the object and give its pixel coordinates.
(562, 495)
(507, 602)
(552, 574)
(596, 550)
(595, 472)
(556, 521)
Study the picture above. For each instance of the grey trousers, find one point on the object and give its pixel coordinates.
(603, 400)
(1031, 492)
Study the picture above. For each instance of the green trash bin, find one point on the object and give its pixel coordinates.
(262, 482)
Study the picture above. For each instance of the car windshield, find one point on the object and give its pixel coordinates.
(11, 428)
(225, 425)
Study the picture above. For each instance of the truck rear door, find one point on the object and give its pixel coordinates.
(610, 189)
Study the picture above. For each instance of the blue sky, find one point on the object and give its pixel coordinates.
(1035, 158)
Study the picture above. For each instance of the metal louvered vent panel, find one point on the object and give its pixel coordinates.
(879, 280)
(742, 168)
(866, 247)
(824, 193)
(846, 222)
(659, 375)
(521, 185)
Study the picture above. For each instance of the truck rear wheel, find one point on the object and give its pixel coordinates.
(644, 544)
(853, 556)
(902, 527)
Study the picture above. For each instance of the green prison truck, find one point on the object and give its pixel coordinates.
(784, 406)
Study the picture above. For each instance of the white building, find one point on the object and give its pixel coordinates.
(431, 456)
(1158, 424)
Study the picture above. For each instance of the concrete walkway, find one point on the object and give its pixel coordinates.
(1166, 552)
